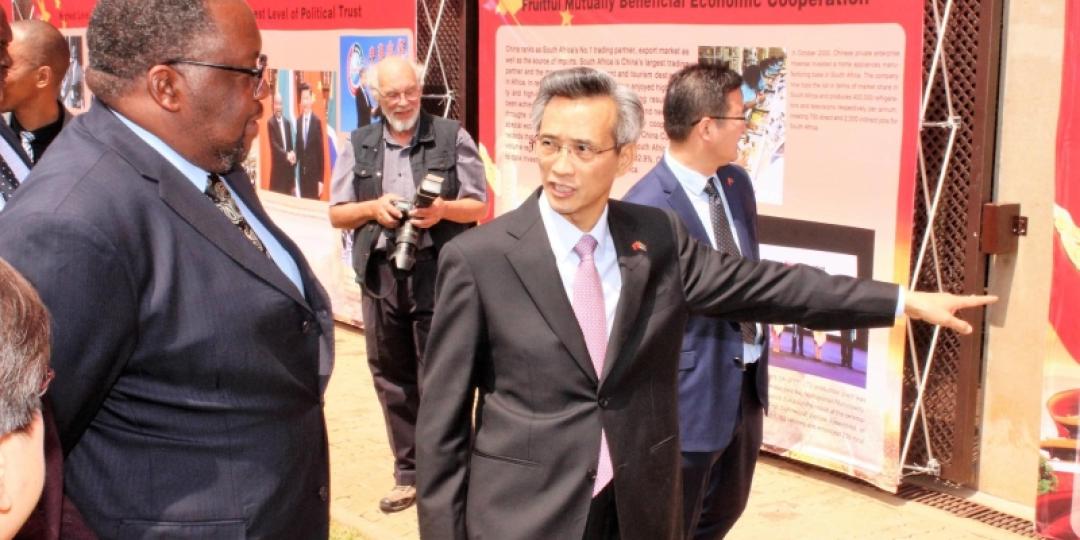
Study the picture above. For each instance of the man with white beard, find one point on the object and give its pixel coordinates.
(375, 174)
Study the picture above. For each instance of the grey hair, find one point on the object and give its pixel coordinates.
(585, 82)
(24, 349)
(372, 74)
(128, 37)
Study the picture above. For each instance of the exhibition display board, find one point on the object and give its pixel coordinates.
(1058, 502)
(323, 46)
(831, 149)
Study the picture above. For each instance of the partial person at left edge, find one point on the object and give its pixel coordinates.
(14, 163)
(192, 343)
(31, 102)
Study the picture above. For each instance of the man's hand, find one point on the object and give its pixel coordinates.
(386, 213)
(939, 308)
(425, 218)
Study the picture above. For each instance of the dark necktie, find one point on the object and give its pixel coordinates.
(588, 305)
(8, 182)
(219, 193)
(725, 241)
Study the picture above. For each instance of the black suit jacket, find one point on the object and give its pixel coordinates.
(190, 370)
(282, 173)
(710, 383)
(309, 156)
(504, 328)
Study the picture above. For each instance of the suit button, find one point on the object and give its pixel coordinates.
(324, 493)
(307, 326)
(592, 474)
(603, 402)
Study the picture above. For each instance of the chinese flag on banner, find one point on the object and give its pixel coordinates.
(1065, 287)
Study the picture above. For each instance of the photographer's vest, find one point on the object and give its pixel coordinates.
(435, 152)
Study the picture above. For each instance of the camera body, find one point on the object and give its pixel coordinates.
(407, 236)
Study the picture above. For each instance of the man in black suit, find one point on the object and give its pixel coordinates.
(191, 340)
(723, 367)
(309, 146)
(282, 156)
(566, 317)
(31, 101)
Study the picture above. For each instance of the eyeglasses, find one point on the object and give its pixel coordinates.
(45, 380)
(257, 71)
(410, 95)
(743, 118)
(546, 147)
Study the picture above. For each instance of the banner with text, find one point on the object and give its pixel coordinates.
(318, 54)
(1058, 501)
(830, 148)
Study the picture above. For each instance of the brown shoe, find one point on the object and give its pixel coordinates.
(399, 498)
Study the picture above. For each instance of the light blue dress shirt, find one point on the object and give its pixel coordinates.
(564, 235)
(693, 183)
(199, 179)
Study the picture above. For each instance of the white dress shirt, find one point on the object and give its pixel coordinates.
(564, 235)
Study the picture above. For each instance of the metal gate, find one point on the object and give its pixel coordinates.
(960, 68)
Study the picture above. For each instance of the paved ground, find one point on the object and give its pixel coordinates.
(788, 501)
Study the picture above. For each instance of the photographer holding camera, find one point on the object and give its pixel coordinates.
(405, 187)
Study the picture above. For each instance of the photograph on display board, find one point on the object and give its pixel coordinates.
(301, 145)
(764, 89)
(841, 354)
(73, 89)
(358, 54)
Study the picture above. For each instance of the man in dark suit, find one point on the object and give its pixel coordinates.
(282, 156)
(723, 367)
(191, 340)
(309, 146)
(363, 103)
(14, 163)
(566, 317)
(31, 101)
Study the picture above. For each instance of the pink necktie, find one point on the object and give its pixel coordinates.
(588, 304)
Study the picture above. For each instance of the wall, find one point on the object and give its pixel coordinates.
(1016, 337)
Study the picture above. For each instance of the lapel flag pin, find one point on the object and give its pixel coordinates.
(638, 246)
(730, 181)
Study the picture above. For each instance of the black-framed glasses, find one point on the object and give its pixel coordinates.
(743, 118)
(258, 71)
(546, 147)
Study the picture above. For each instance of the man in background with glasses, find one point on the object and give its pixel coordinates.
(192, 341)
(723, 366)
(379, 170)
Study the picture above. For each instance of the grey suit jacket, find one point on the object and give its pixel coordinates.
(190, 370)
(503, 328)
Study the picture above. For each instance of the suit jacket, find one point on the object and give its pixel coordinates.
(710, 383)
(309, 156)
(282, 173)
(190, 370)
(504, 328)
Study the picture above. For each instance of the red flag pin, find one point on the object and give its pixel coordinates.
(730, 181)
(638, 246)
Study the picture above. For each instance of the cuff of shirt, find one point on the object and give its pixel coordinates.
(900, 302)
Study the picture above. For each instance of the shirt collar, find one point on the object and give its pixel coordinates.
(44, 132)
(692, 181)
(564, 235)
(189, 170)
(390, 141)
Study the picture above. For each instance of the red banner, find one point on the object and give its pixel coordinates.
(1058, 502)
(271, 14)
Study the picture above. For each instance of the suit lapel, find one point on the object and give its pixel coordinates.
(634, 269)
(680, 203)
(534, 265)
(193, 207)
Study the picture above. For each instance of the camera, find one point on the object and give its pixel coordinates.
(408, 236)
